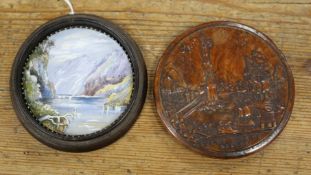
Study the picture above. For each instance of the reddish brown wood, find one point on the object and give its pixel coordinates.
(224, 89)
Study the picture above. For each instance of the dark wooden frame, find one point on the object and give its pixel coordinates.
(98, 139)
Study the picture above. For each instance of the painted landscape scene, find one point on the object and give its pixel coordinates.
(78, 81)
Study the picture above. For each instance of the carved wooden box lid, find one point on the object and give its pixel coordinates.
(224, 89)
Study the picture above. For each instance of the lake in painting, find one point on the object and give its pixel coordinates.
(78, 81)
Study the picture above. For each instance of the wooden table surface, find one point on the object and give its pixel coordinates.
(148, 148)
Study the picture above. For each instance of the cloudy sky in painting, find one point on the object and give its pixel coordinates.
(77, 53)
(76, 42)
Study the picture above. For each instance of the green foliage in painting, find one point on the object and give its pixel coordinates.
(33, 80)
(57, 124)
(32, 94)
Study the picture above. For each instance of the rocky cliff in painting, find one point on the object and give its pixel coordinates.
(35, 81)
(110, 77)
(87, 76)
(78, 81)
(118, 93)
(37, 68)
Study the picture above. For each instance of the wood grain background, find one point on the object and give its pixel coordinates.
(148, 148)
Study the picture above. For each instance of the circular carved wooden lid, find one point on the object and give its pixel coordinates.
(224, 89)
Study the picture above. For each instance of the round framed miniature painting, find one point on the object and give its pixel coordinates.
(78, 83)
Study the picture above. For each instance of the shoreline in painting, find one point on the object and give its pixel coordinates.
(78, 81)
(75, 107)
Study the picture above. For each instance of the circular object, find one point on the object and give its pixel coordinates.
(224, 89)
(78, 83)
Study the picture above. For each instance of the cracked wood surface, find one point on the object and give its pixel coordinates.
(148, 148)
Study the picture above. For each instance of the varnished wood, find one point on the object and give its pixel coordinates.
(224, 89)
(148, 148)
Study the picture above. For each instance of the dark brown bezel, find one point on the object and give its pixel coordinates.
(249, 150)
(83, 142)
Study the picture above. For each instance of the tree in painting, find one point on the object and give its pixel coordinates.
(36, 83)
(78, 81)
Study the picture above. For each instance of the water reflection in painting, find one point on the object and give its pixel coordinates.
(78, 81)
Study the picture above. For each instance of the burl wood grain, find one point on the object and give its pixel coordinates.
(148, 148)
